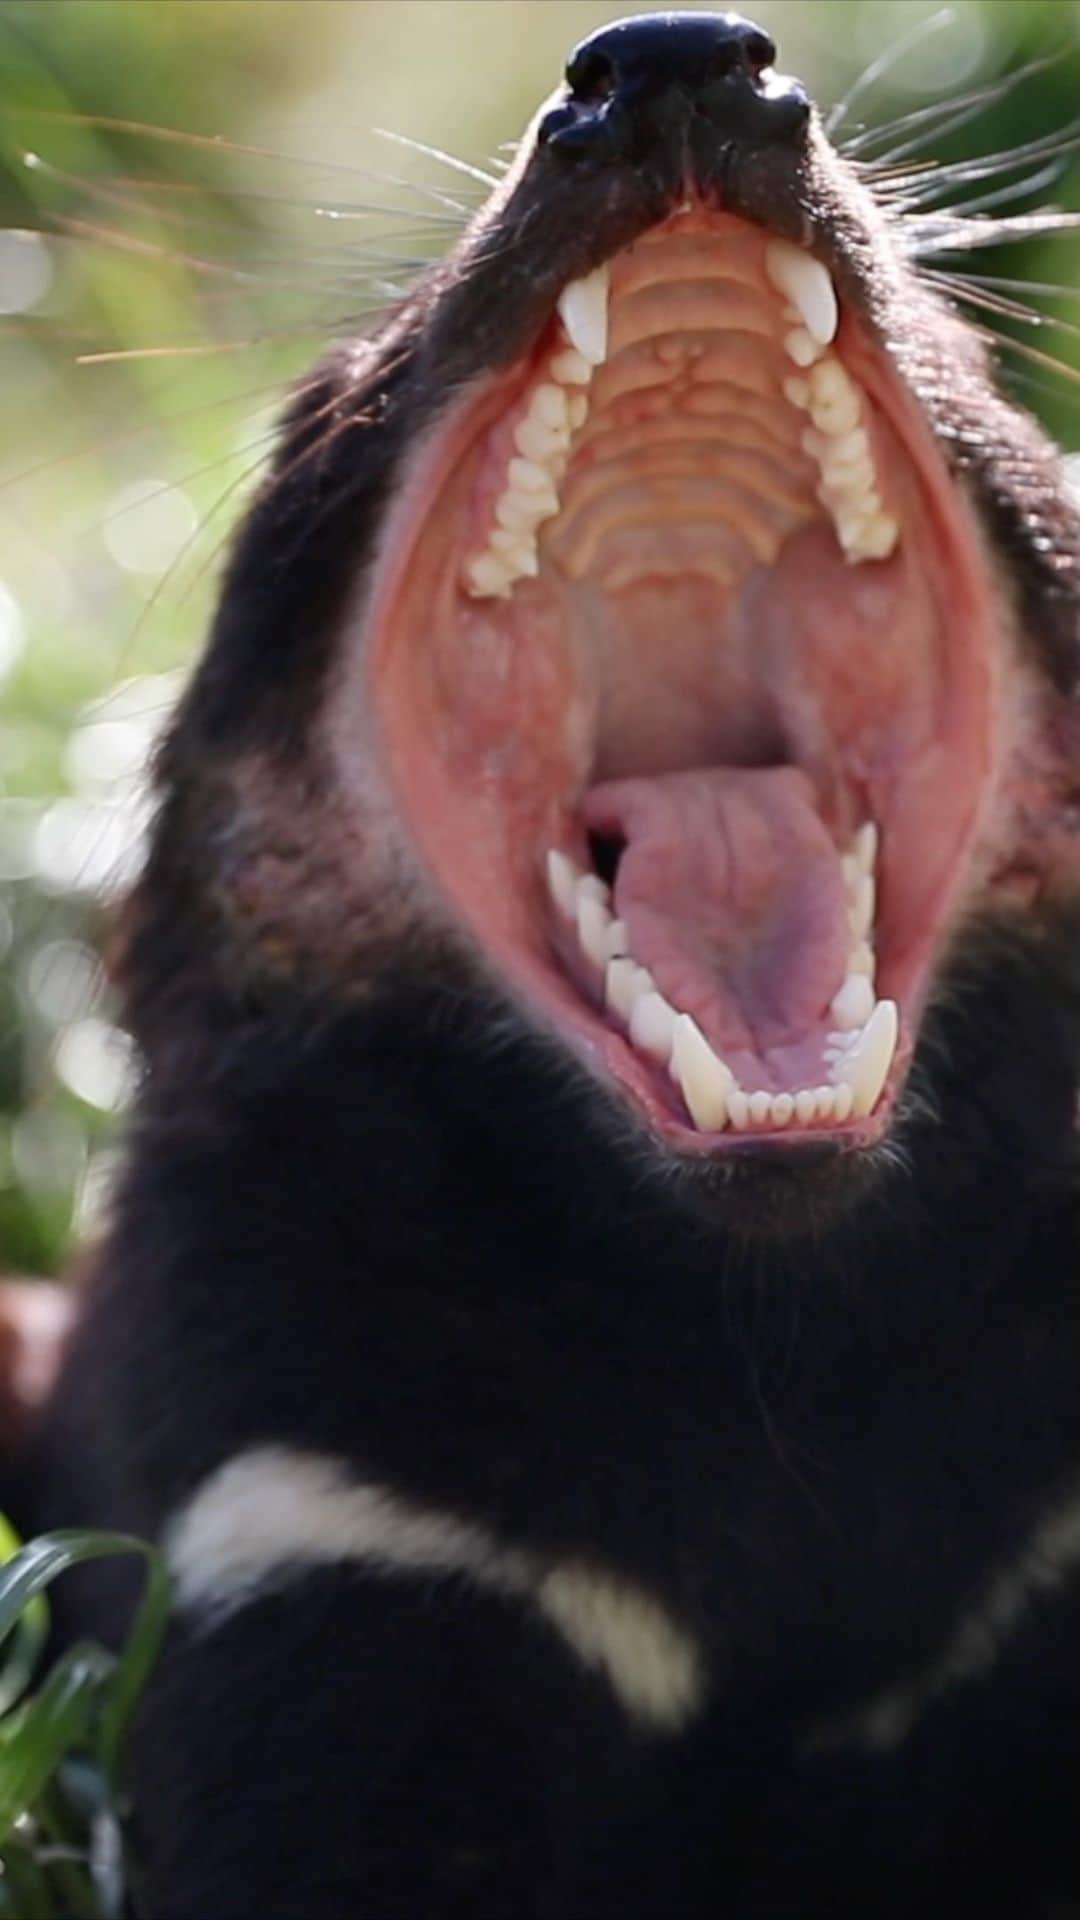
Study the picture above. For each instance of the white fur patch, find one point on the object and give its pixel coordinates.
(654, 1667)
(271, 1515)
(1051, 1555)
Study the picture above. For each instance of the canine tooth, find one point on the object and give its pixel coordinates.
(562, 878)
(548, 405)
(805, 1106)
(705, 1081)
(571, 368)
(861, 906)
(807, 284)
(797, 391)
(862, 960)
(486, 577)
(591, 887)
(865, 846)
(583, 309)
(593, 923)
(783, 1109)
(760, 1105)
(801, 347)
(652, 1025)
(738, 1109)
(854, 1003)
(538, 442)
(866, 1067)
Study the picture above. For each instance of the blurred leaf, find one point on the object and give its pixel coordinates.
(31, 1631)
(37, 1565)
(60, 1716)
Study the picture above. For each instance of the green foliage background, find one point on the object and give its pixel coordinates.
(217, 262)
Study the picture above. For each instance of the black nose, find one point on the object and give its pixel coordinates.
(646, 83)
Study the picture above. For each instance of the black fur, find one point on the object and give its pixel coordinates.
(814, 1410)
(401, 1241)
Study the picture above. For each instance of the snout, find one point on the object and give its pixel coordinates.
(679, 92)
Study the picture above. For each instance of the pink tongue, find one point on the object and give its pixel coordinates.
(733, 897)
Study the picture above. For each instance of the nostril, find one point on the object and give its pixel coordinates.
(759, 51)
(749, 52)
(591, 76)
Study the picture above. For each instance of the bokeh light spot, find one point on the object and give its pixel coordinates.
(12, 636)
(97, 1062)
(26, 269)
(147, 525)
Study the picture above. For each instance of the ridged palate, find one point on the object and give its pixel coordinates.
(660, 325)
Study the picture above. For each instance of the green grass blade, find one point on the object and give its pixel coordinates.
(61, 1715)
(30, 1635)
(34, 1567)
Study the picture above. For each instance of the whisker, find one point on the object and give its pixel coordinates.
(1063, 368)
(999, 303)
(960, 172)
(125, 196)
(1049, 176)
(487, 180)
(954, 113)
(144, 248)
(183, 414)
(1054, 289)
(217, 143)
(324, 209)
(883, 64)
(951, 233)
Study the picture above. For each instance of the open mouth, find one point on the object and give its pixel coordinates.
(682, 668)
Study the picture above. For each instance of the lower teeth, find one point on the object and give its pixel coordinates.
(858, 1056)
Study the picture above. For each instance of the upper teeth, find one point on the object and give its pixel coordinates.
(556, 409)
(840, 447)
(858, 1054)
(825, 390)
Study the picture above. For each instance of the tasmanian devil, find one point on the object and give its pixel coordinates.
(593, 1305)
